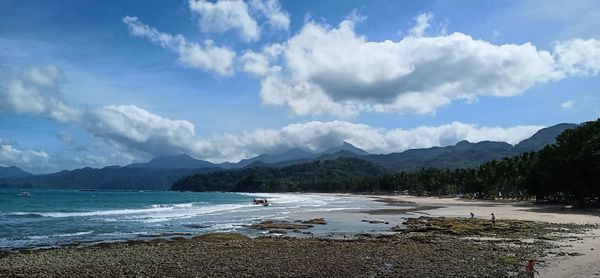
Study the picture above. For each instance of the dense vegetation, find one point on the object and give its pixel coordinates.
(317, 176)
(568, 169)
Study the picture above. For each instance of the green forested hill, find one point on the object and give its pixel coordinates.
(566, 170)
(317, 176)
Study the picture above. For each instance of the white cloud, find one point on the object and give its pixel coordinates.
(579, 57)
(208, 56)
(255, 63)
(422, 23)
(567, 104)
(318, 136)
(271, 9)
(37, 92)
(26, 159)
(335, 71)
(136, 129)
(136, 132)
(130, 128)
(355, 17)
(225, 15)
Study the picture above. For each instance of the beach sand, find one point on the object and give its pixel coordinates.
(587, 246)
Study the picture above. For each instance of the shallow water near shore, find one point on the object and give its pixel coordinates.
(50, 218)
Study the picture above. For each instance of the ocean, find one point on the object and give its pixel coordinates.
(49, 217)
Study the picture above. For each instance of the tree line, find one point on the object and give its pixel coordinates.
(566, 170)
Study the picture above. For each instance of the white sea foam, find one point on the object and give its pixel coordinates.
(185, 205)
(188, 212)
(105, 212)
(288, 199)
(159, 212)
(61, 235)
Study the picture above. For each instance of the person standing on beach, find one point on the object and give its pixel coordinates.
(531, 268)
(472, 215)
(493, 220)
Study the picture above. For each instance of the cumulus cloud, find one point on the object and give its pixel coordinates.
(134, 128)
(225, 15)
(318, 136)
(271, 9)
(579, 57)
(41, 162)
(567, 104)
(422, 23)
(137, 133)
(334, 70)
(255, 63)
(10, 155)
(207, 56)
(130, 128)
(37, 92)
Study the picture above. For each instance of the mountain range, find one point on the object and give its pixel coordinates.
(13, 172)
(161, 172)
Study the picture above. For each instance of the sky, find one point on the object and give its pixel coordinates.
(98, 83)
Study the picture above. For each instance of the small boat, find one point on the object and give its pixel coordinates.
(262, 202)
(25, 194)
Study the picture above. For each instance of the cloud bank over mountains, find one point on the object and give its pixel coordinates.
(11, 155)
(140, 133)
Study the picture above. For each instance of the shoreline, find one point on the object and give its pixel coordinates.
(559, 254)
(413, 252)
(341, 212)
(586, 246)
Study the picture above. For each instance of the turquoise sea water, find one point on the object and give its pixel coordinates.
(58, 217)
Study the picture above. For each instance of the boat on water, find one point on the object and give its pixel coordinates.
(25, 194)
(263, 202)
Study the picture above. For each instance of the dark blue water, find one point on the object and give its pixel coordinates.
(58, 217)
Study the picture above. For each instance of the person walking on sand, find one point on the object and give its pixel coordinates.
(472, 215)
(531, 268)
(493, 220)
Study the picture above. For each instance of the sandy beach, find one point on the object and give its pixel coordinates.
(440, 241)
(587, 245)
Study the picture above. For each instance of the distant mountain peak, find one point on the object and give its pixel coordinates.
(13, 172)
(345, 146)
(294, 150)
(288, 155)
(463, 143)
(179, 161)
(543, 137)
(182, 156)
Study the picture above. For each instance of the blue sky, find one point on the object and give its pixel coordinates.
(108, 82)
